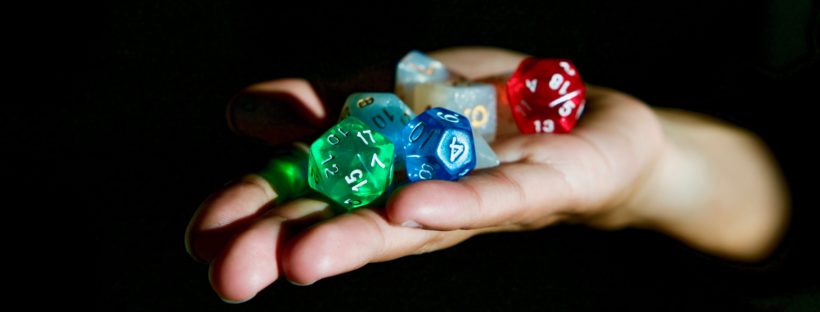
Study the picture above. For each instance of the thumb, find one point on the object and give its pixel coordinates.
(513, 194)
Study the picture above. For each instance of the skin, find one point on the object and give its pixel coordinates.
(711, 185)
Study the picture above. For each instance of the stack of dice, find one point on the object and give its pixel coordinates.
(435, 126)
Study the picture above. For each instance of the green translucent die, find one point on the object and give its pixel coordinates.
(287, 174)
(351, 164)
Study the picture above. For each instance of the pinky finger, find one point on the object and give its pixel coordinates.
(249, 262)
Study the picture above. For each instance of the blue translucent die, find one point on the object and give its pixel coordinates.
(416, 68)
(438, 145)
(477, 101)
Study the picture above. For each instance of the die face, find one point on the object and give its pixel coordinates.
(415, 68)
(476, 101)
(420, 168)
(454, 151)
(438, 144)
(485, 156)
(288, 173)
(351, 163)
(546, 95)
(382, 111)
(429, 95)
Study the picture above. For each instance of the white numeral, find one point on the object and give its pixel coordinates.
(456, 150)
(356, 187)
(375, 161)
(566, 109)
(556, 81)
(329, 158)
(331, 172)
(531, 84)
(426, 174)
(370, 134)
(566, 68)
(354, 175)
(448, 117)
(332, 139)
(564, 88)
(547, 126)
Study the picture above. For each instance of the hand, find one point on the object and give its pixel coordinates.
(617, 168)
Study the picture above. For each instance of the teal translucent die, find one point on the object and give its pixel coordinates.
(416, 68)
(382, 111)
(476, 101)
(351, 163)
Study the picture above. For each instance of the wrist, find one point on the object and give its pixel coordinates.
(714, 187)
(676, 184)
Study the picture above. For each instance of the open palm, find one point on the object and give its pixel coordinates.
(583, 176)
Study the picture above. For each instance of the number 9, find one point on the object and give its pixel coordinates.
(448, 117)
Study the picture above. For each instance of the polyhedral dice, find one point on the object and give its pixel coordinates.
(484, 154)
(287, 174)
(351, 163)
(416, 68)
(546, 95)
(438, 144)
(505, 123)
(474, 100)
(382, 111)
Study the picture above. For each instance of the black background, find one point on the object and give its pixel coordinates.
(158, 75)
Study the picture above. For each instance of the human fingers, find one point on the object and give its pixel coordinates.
(277, 111)
(544, 178)
(478, 62)
(489, 197)
(489, 65)
(249, 261)
(225, 213)
(286, 110)
(352, 240)
(518, 195)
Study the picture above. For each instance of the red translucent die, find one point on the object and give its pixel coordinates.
(546, 95)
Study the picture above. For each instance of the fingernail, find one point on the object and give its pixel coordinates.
(190, 250)
(297, 284)
(189, 243)
(411, 224)
(275, 118)
(235, 301)
(211, 281)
